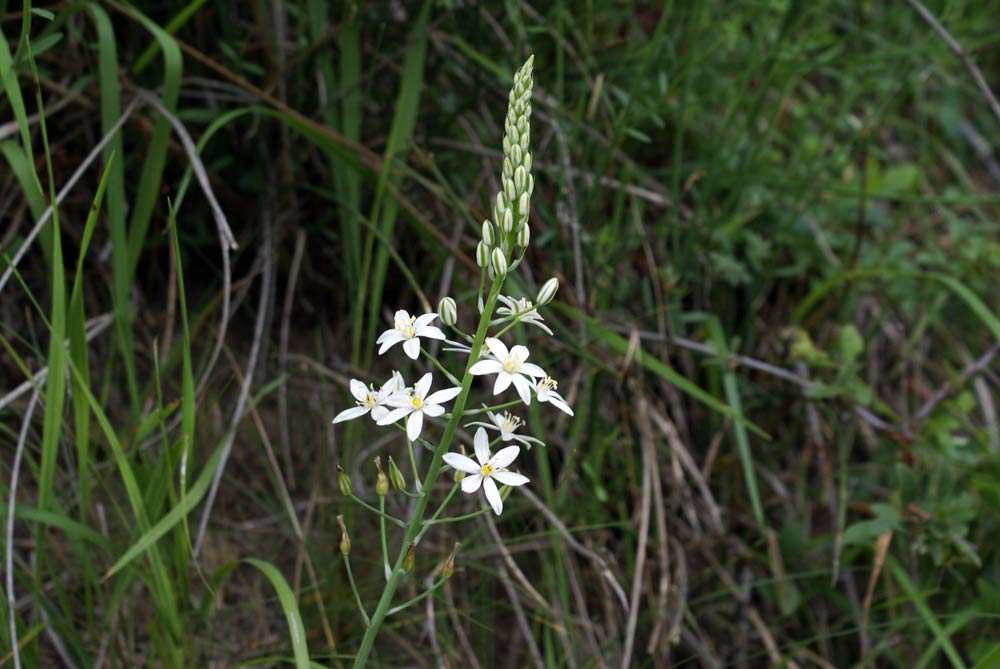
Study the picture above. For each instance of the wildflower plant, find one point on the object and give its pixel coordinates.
(420, 412)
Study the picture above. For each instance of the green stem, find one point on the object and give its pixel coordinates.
(354, 589)
(455, 519)
(385, 543)
(495, 407)
(416, 521)
(371, 508)
(413, 465)
(411, 602)
(440, 367)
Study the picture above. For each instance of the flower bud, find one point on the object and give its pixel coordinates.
(515, 136)
(448, 311)
(396, 476)
(345, 539)
(508, 189)
(499, 262)
(547, 291)
(409, 560)
(507, 222)
(527, 162)
(381, 482)
(516, 155)
(524, 236)
(488, 236)
(482, 254)
(522, 205)
(449, 564)
(521, 179)
(344, 481)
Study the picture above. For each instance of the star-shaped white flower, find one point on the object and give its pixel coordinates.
(488, 471)
(545, 391)
(510, 367)
(507, 424)
(416, 404)
(408, 329)
(371, 400)
(522, 310)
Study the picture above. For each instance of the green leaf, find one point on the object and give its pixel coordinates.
(296, 630)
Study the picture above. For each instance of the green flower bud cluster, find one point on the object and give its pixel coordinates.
(509, 225)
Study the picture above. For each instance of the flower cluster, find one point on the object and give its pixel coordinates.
(395, 402)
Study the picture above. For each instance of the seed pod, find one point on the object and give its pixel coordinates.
(409, 561)
(547, 291)
(499, 262)
(396, 476)
(448, 311)
(449, 564)
(381, 482)
(344, 481)
(345, 539)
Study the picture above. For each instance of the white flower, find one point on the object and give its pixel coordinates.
(370, 399)
(545, 391)
(507, 423)
(408, 329)
(416, 404)
(522, 310)
(488, 470)
(510, 367)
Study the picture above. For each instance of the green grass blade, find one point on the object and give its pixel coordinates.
(171, 518)
(110, 104)
(925, 612)
(739, 430)
(77, 330)
(296, 630)
(386, 206)
(175, 24)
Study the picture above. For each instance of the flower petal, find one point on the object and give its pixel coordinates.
(423, 321)
(393, 416)
(520, 352)
(414, 424)
(531, 369)
(482, 444)
(431, 332)
(433, 410)
(497, 348)
(443, 395)
(504, 457)
(485, 367)
(401, 315)
(349, 414)
(461, 463)
(523, 387)
(556, 400)
(391, 340)
(471, 483)
(502, 383)
(378, 412)
(394, 384)
(493, 495)
(412, 348)
(510, 478)
(421, 387)
(359, 390)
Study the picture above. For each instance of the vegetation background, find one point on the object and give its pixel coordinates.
(774, 222)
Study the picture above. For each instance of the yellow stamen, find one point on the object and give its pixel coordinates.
(487, 469)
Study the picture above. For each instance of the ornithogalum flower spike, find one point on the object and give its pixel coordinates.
(478, 352)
